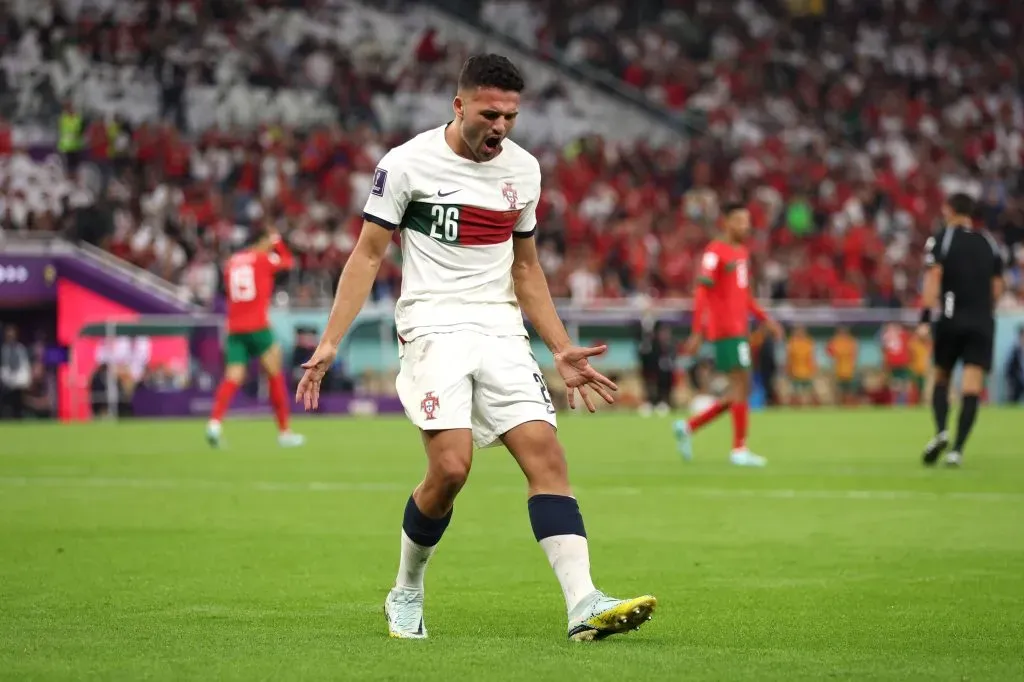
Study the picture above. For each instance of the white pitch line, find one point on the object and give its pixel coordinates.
(341, 486)
(857, 494)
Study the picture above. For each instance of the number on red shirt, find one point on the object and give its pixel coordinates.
(726, 274)
(741, 274)
(242, 283)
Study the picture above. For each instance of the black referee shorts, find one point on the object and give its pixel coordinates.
(970, 343)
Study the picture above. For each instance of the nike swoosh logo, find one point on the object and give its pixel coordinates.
(447, 194)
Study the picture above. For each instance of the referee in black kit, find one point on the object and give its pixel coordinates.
(963, 281)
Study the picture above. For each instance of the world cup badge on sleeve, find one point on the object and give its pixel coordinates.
(380, 178)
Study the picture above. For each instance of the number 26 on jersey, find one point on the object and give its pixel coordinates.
(444, 225)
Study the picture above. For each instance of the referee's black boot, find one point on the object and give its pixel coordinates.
(936, 446)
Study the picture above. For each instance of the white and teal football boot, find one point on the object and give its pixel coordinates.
(742, 457)
(214, 434)
(287, 439)
(684, 439)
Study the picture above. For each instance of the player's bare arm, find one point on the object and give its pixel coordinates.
(280, 256)
(534, 299)
(354, 286)
(759, 313)
(705, 282)
(696, 339)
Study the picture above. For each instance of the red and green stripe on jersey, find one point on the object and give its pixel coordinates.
(459, 224)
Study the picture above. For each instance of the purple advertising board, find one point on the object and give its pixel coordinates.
(32, 280)
(147, 402)
(27, 281)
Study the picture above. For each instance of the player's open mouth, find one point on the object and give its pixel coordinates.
(492, 143)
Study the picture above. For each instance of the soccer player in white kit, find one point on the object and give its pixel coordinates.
(465, 197)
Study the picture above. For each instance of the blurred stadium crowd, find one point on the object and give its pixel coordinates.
(181, 124)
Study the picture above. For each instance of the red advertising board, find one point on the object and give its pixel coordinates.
(77, 306)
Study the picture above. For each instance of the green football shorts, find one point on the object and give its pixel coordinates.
(732, 354)
(243, 347)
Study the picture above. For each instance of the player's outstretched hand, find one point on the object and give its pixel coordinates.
(308, 392)
(578, 375)
(693, 344)
(775, 329)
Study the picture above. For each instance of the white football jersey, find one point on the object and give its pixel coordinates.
(458, 219)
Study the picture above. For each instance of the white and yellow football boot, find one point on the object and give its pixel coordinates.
(404, 611)
(597, 616)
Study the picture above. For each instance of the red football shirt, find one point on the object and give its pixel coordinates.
(724, 299)
(896, 347)
(249, 283)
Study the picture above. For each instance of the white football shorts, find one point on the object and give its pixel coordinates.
(468, 380)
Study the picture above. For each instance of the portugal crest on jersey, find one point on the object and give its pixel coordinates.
(510, 194)
(430, 404)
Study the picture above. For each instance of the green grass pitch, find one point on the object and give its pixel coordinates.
(132, 552)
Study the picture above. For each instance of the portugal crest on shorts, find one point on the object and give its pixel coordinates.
(430, 405)
(510, 194)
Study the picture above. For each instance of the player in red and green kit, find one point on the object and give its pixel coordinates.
(723, 305)
(896, 354)
(249, 285)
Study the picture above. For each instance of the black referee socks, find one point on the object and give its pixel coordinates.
(968, 412)
(940, 406)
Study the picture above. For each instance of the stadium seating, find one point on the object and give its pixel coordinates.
(202, 119)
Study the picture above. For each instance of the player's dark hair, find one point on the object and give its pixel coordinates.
(490, 71)
(257, 234)
(962, 204)
(730, 207)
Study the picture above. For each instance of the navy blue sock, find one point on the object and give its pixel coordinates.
(422, 529)
(552, 515)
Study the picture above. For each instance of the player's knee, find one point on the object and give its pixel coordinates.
(551, 470)
(973, 381)
(543, 461)
(235, 373)
(271, 360)
(739, 387)
(450, 471)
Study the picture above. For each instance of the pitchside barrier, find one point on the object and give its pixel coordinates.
(169, 365)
